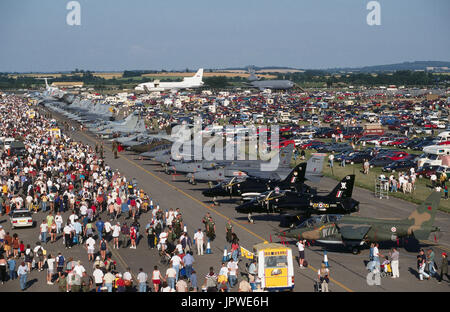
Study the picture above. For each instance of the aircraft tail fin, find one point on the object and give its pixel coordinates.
(423, 217)
(46, 81)
(286, 155)
(314, 167)
(198, 75)
(344, 189)
(297, 175)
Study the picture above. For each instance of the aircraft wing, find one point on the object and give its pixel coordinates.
(353, 231)
(269, 175)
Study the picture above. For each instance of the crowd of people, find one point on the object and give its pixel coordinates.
(56, 176)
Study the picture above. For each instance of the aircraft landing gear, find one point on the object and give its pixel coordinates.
(215, 202)
(250, 219)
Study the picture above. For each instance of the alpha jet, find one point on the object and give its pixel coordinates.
(354, 231)
(295, 205)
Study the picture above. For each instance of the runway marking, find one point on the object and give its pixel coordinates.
(207, 207)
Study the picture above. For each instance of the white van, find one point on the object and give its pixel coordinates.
(432, 155)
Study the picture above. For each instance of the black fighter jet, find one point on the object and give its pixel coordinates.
(295, 205)
(253, 186)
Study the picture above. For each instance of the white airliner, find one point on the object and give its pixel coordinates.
(52, 91)
(187, 83)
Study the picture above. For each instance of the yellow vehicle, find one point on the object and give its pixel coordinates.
(275, 266)
(54, 132)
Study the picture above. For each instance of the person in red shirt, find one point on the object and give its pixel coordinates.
(120, 283)
(133, 237)
(21, 248)
(133, 207)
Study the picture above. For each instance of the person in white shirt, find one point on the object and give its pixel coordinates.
(376, 257)
(142, 280)
(232, 273)
(51, 269)
(179, 247)
(83, 210)
(44, 230)
(301, 252)
(98, 276)
(171, 275)
(68, 235)
(198, 239)
(73, 217)
(223, 272)
(176, 261)
(162, 240)
(90, 246)
(79, 269)
(107, 226)
(116, 234)
(59, 222)
(109, 280)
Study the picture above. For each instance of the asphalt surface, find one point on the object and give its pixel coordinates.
(347, 271)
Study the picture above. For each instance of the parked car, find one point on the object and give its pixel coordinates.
(312, 144)
(400, 165)
(334, 148)
(21, 218)
(354, 157)
(380, 161)
(408, 144)
(421, 145)
(426, 171)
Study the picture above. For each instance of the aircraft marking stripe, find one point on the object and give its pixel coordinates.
(207, 207)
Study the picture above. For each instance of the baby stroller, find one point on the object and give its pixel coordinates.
(317, 286)
(386, 269)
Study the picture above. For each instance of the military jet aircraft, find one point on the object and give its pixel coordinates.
(240, 186)
(294, 205)
(354, 231)
(254, 186)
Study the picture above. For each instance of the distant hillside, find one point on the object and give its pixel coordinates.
(417, 65)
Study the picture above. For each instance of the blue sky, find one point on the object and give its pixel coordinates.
(179, 34)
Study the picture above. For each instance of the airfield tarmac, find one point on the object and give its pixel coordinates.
(347, 271)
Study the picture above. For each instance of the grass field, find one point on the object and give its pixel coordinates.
(367, 181)
(118, 75)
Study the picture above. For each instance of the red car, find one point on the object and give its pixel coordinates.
(396, 141)
(430, 126)
(396, 155)
(426, 171)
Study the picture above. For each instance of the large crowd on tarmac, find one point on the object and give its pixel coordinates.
(56, 175)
